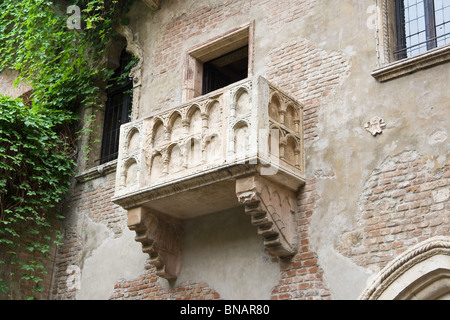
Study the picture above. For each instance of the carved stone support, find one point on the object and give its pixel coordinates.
(160, 236)
(272, 208)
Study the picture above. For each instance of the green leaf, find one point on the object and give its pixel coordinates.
(63, 67)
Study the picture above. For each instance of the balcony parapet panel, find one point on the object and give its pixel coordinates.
(238, 146)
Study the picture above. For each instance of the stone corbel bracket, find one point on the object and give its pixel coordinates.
(272, 208)
(160, 236)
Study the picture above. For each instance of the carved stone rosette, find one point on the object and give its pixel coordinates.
(375, 126)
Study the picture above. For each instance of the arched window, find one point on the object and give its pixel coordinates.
(118, 109)
(420, 273)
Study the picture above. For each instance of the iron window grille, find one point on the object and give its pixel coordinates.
(421, 26)
(118, 110)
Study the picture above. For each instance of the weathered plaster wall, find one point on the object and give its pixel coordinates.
(222, 258)
(367, 198)
(112, 260)
(7, 86)
(100, 258)
(344, 158)
(97, 243)
(224, 251)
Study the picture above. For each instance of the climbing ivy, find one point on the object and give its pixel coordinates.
(35, 170)
(64, 67)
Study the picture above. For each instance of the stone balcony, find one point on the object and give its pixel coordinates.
(238, 146)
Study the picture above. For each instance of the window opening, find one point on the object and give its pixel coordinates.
(225, 70)
(118, 108)
(421, 25)
(218, 62)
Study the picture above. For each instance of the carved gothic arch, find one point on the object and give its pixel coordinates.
(421, 273)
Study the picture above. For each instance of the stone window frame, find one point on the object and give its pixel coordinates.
(88, 169)
(387, 67)
(117, 111)
(196, 56)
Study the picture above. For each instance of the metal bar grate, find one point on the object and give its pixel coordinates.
(422, 25)
(117, 112)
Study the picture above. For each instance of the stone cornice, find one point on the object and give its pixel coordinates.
(97, 172)
(409, 65)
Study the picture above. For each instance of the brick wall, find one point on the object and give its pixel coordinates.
(282, 12)
(302, 277)
(147, 287)
(297, 67)
(404, 202)
(91, 199)
(400, 204)
(308, 74)
(185, 26)
(170, 50)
